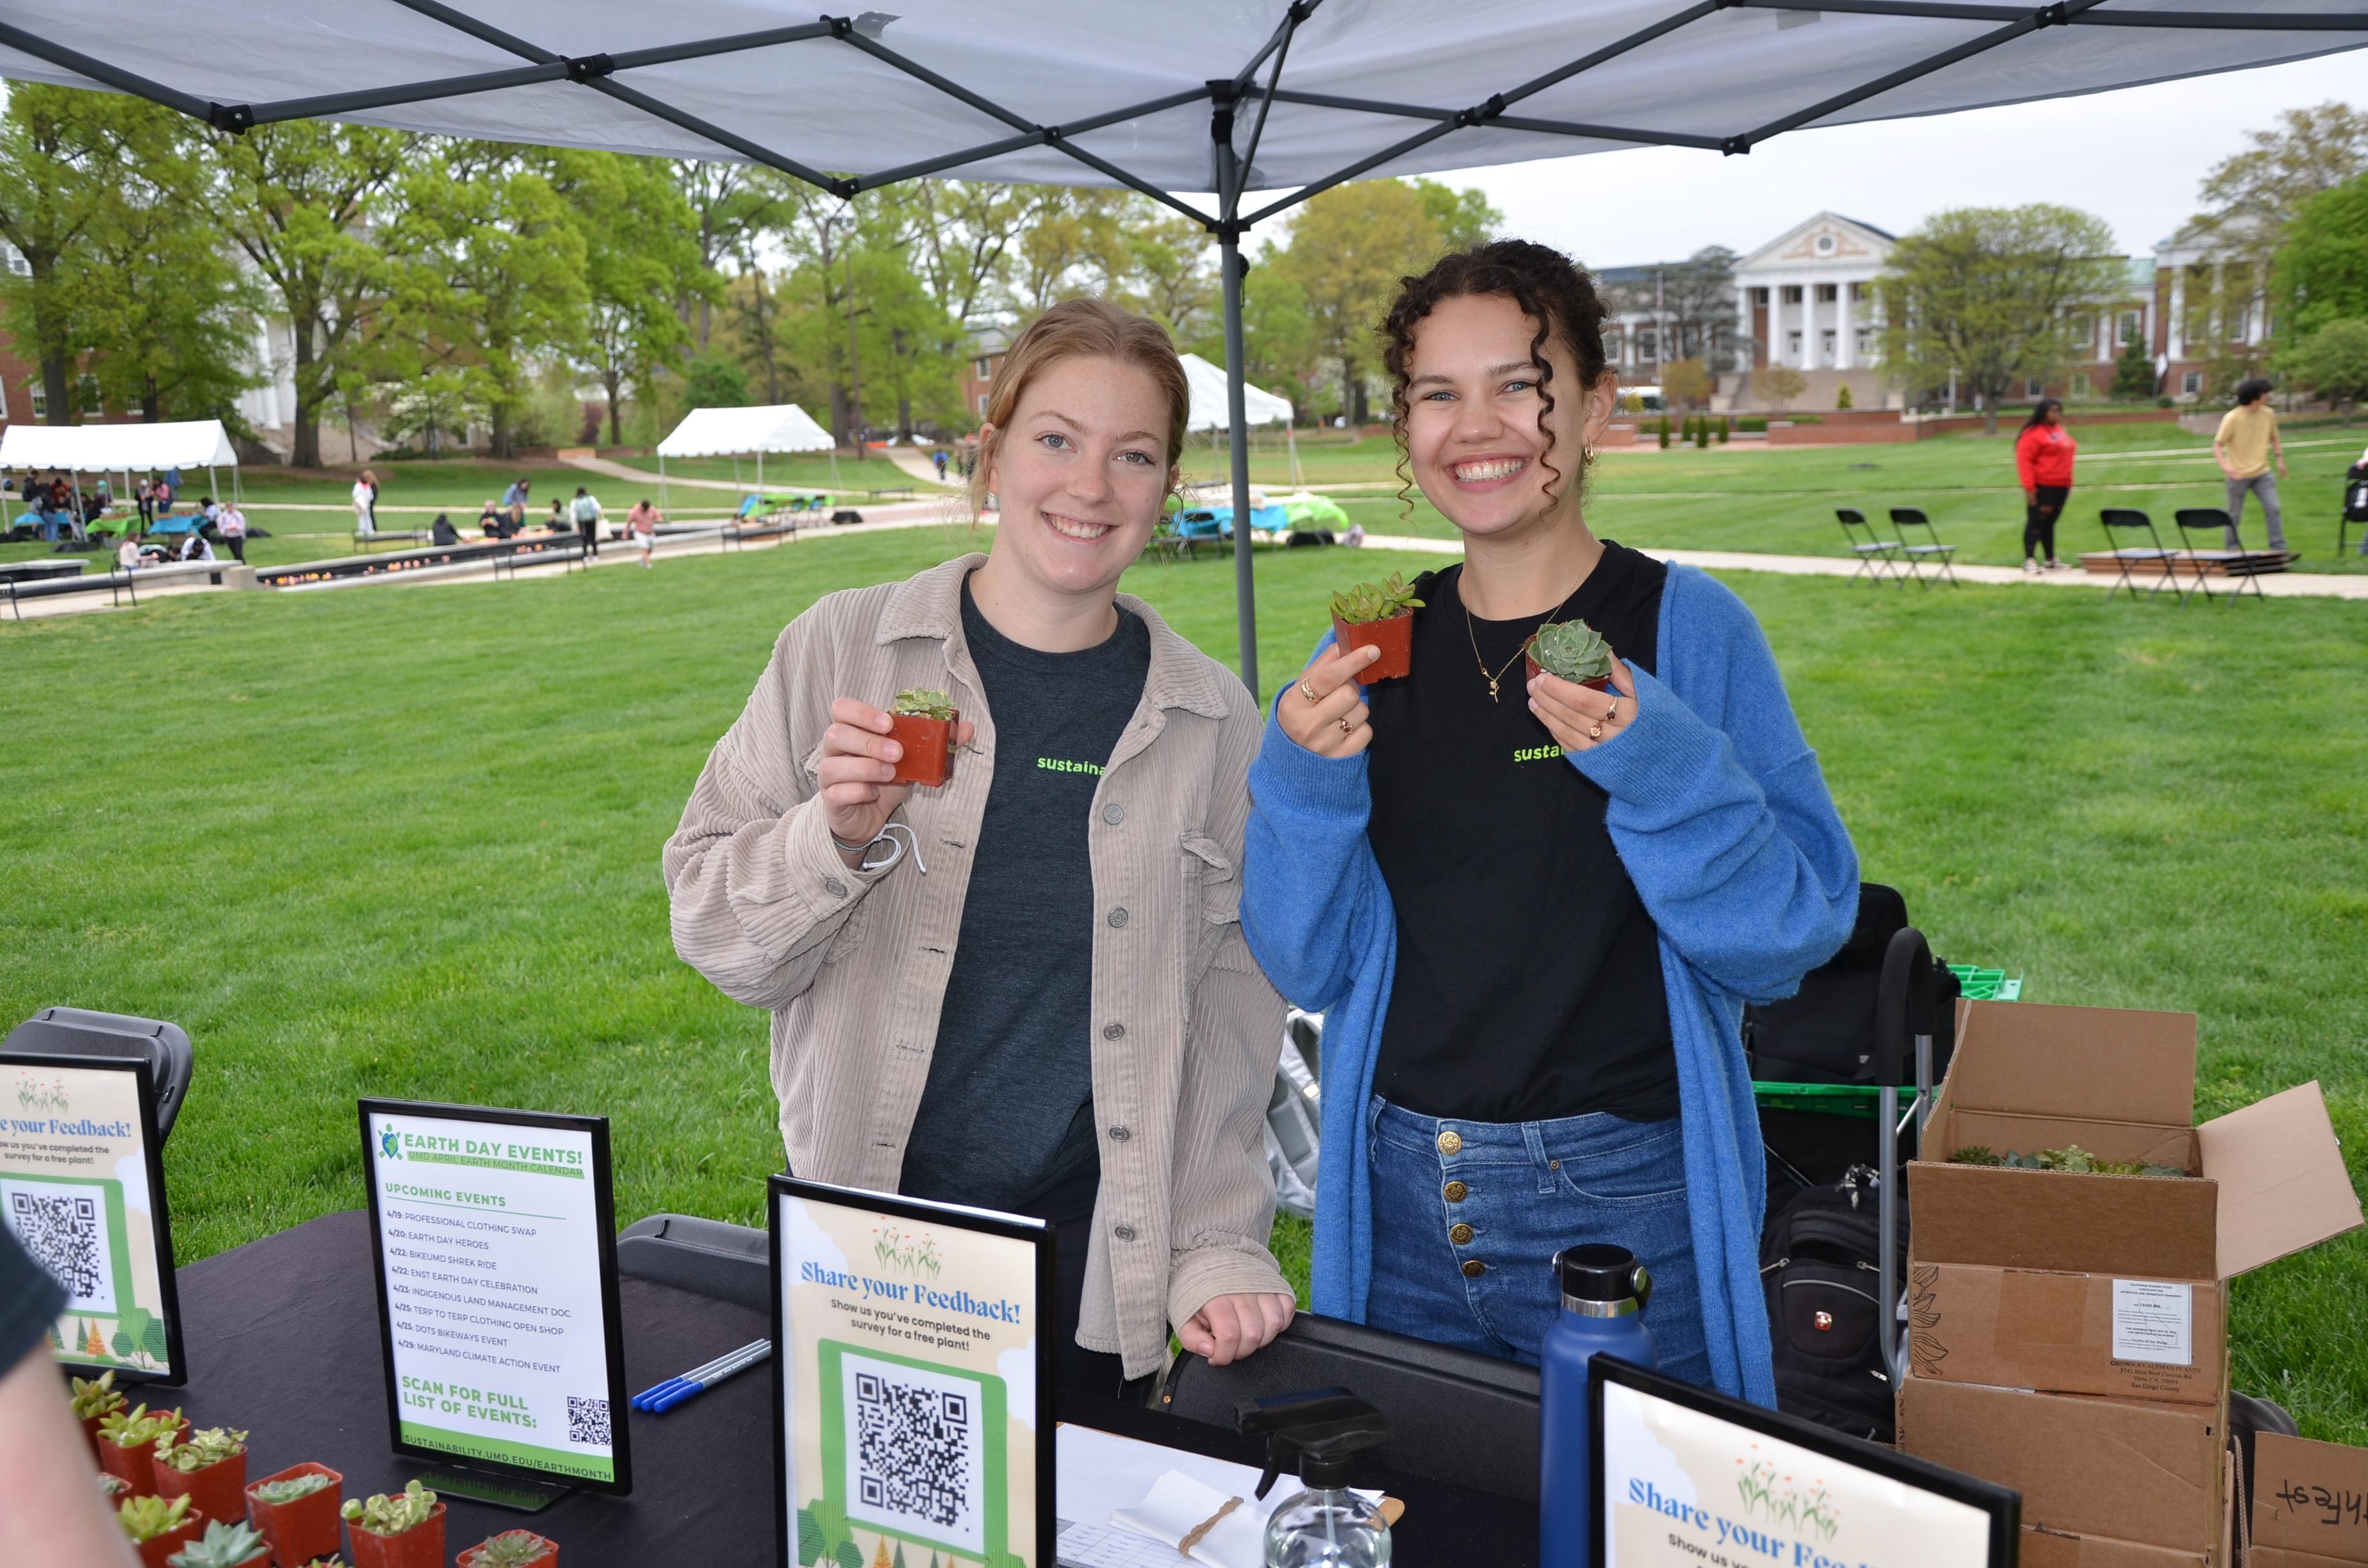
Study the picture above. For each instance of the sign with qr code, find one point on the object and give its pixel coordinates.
(495, 1235)
(914, 1379)
(82, 1189)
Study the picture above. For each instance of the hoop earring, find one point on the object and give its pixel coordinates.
(1586, 453)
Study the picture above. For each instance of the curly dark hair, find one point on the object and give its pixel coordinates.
(1552, 290)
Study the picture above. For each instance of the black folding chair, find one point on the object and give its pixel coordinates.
(2129, 520)
(1875, 556)
(2355, 508)
(1905, 518)
(2213, 521)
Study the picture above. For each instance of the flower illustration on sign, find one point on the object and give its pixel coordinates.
(34, 1094)
(1780, 1500)
(898, 1249)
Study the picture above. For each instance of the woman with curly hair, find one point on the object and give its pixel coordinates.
(1531, 911)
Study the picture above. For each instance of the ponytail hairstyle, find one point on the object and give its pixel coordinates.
(2039, 412)
(1095, 329)
(1553, 291)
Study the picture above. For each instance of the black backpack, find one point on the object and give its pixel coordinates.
(1824, 1033)
(1818, 1265)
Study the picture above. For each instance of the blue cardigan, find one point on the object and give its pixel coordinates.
(1723, 820)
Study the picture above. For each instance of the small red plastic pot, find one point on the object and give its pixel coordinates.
(135, 1467)
(549, 1558)
(220, 1489)
(421, 1546)
(1393, 637)
(90, 1436)
(303, 1530)
(157, 1550)
(928, 747)
(1601, 683)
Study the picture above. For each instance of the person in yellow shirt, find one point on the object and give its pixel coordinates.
(2247, 441)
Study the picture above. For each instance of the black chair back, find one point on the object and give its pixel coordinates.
(2202, 519)
(2125, 517)
(76, 1031)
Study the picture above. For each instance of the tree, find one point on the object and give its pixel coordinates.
(713, 382)
(1843, 401)
(1278, 331)
(1462, 218)
(1984, 290)
(2134, 376)
(729, 202)
(1686, 382)
(1078, 241)
(2332, 362)
(2322, 269)
(1691, 303)
(300, 200)
(2255, 194)
(1780, 384)
(642, 259)
(962, 234)
(1348, 247)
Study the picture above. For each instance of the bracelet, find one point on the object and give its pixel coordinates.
(844, 847)
(897, 848)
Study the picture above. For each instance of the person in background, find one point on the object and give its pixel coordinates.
(2355, 481)
(146, 495)
(51, 1509)
(231, 523)
(586, 509)
(127, 555)
(165, 494)
(514, 502)
(2244, 444)
(489, 519)
(557, 522)
(365, 500)
(210, 509)
(938, 458)
(441, 531)
(641, 523)
(197, 546)
(2043, 462)
(103, 494)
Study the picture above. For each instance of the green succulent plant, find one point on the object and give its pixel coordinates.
(145, 1518)
(288, 1490)
(223, 1545)
(114, 1488)
(1374, 601)
(96, 1396)
(212, 1446)
(383, 1515)
(129, 1429)
(923, 703)
(1572, 650)
(511, 1549)
(2071, 1159)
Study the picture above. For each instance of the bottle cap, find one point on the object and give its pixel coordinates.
(1600, 1272)
(1329, 1427)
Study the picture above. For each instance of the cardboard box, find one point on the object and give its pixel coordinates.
(2310, 1501)
(2057, 1549)
(2275, 1557)
(2096, 1333)
(2146, 1473)
(2122, 1288)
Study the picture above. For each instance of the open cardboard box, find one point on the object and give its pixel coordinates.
(2102, 1284)
(2310, 1503)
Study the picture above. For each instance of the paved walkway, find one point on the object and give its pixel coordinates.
(914, 462)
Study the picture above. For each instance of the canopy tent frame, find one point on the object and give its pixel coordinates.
(1225, 96)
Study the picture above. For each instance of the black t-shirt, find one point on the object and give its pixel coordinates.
(1007, 1115)
(1528, 974)
(30, 1301)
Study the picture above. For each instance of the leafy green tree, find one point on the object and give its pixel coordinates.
(1348, 247)
(1078, 241)
(2251, 196)
(713, 382)
(2332, 362)
(642, 257)
(2322, 269)
(1462, 218)
(1278, 332)
(1984, 290)
(1780, 384)
(2134, 376)
(962, 236)
(728, 203)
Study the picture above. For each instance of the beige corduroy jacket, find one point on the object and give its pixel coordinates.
(853, 965)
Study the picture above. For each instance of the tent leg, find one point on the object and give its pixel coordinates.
(760, 481)
(1229, 258)
(661, 489)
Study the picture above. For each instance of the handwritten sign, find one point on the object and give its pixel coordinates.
(2311, 1497)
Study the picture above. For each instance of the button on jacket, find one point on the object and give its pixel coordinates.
(853, 964)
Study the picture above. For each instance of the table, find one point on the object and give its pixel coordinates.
(282, 1339)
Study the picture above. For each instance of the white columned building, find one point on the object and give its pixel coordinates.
(1806, 300)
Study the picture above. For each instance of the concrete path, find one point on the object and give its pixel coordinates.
(914, 462)
(623, 471)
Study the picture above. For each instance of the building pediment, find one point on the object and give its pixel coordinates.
(1826, 238)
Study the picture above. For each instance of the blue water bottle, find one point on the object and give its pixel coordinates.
(1604, 1289)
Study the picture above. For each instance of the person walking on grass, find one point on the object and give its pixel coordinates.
(2245, 444)
(231, 523)
(586, 511)
(365, 499)
(2043, 462)
(641, 523)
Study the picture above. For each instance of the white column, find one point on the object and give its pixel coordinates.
(2176, 345)
(1845, 326)
(1743, 327)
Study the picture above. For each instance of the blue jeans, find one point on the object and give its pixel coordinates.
(1528, 1189)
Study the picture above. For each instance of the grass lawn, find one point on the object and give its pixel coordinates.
(403, 841)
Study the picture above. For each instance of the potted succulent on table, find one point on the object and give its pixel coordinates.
(127, 1442)
(95, 1400)
(1572, 650)
(210, 1467)
(922, 722)
(1377, 614)
(297, 1512)
(406, 1530)
(158, 1528)
(224, 1546)
(512, 1548)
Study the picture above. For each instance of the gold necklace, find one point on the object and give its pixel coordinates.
(1474, 637)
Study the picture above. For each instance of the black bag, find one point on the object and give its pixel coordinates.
(2356, 494)
(1818, 1265)
(1824, 1033)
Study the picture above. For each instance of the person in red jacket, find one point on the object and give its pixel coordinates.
(2042, 460)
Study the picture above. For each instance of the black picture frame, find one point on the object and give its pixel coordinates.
(168, 1293)
(956, 1217)
(611, 1310)
(2003, 1505)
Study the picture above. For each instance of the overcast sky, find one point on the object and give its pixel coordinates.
(2133, 157)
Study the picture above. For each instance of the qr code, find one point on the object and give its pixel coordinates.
(916, 1447)
(64, 1233)
(587, 1421)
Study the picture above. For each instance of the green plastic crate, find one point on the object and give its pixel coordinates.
(1987, 984)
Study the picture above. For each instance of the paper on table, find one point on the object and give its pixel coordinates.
(1101, 1474)
(1178, 1506)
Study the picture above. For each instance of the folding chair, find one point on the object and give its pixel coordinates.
(1905, 518)
(2130, 520)
(2355, 508)
(2213, 521)
(1876, 555)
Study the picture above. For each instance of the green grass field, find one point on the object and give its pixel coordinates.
(404, 842)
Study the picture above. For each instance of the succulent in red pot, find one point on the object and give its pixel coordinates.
(1377, 614)
(406, 1530)
(95, 1400)
(297, 1512)
(159, 1527)
(225, 1545)
(209, 1467)
(923, 723)
(1573, 651)
(127, 1444)
(512, 1548)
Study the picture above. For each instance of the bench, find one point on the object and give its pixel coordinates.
(119, 583)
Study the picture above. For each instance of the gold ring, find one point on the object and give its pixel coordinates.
(1611, 712)
(1308, 691)
(1595, 731)
(1344, 726)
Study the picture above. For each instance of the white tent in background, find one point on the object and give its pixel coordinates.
(728, 432)
(121, 448)
(1258, 407)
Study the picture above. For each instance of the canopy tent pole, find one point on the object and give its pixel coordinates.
(1230, 266)
(760, 476)
(213, 483)
(663, 504)
(1291, 437)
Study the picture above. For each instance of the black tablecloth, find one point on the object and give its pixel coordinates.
(282, 1339)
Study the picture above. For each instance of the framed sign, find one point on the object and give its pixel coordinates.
(1685, 1477)
(913, 1380)
(496, 1236)
(81, 1184)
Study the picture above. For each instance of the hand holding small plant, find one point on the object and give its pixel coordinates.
(871, 760)
(1572, 651)
(1368, 602)
(1380, 616)
(920, 704)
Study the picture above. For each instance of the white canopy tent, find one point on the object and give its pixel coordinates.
(1210, 411)
(728, 432)
(110, 448)
(1281, 96)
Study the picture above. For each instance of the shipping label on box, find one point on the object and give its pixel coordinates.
(2059, 1333)
(2310, 1497)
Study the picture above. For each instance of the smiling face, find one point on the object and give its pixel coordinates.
(1479, 436)
(1080, 473)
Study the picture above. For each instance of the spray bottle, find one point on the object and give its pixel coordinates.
(1327, 1525)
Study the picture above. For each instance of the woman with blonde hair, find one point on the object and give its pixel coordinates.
(1026, 989)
